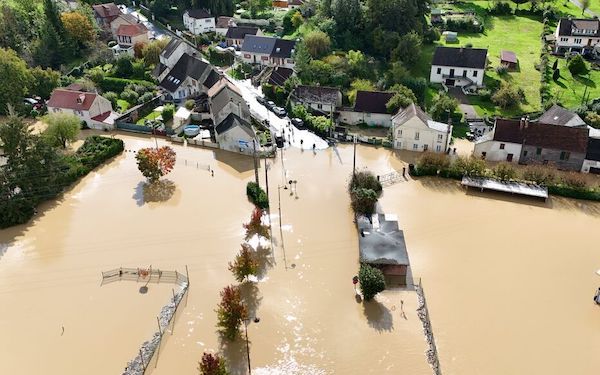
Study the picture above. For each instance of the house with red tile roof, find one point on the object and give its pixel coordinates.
(105, 14)
(94, 110)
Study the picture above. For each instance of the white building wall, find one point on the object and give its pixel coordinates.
(199, 26)
(230, 141)
(414, 135)
(265, 60)
(438, 72)
(372, 119)
(587, 164)
(577, 42)
(493, 152)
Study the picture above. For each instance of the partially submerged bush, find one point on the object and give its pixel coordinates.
(257, 195)
(212, 364)
(363, 201)
(371, 280)
(504, 171)
(539, 174)
(431, 163)
(366, 180)
(574, 180)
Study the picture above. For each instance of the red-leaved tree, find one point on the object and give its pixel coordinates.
(245, 263)
(255, 226)
(231, 312)
(155, 162)
(212, 364)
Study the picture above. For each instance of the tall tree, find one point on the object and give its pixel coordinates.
(62, 128)
(47, 50)
(317, 43)
(347, 14)
(401, 16)
(212, 364)
(408, 49)
(43, 82)
(15, 78)
(78, 27)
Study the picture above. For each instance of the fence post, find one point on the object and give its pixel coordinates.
(142, 359)
(187, 274)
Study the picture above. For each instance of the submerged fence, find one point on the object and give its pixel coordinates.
(147, 357)
(423, 312)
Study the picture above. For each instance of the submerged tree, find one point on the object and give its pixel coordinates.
(212, 364)
(155, 162)
(231, 312)
(255, 226)
(371, 281)
(245, 263)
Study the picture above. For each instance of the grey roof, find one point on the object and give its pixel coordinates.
(283, 48)
(273, 47)
(232, 120)
(158, 69)
(279, 75)
(372, 101)
(187, 66)
(318, 94)
(381, 242)
(258, 44)
(409, 112)
(223, 97)
(199, 13)
(558, 115)
(171, 47)
(567, 26)
(212, 78)
(239, 32)
(460, 57)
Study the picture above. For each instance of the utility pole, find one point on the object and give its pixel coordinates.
(354, 159)
(267, 183)
(255, 162)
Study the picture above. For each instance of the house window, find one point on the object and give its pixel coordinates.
(246, 55)
(577, 40)
(320, 106)
(451, 72)
(538, 151)
(264, 58)
(564, 39)
(440, 137)
(368, 115)
(439, 70)
(502, 146)
(524, 153)
(465, 73)
(564, 155)
(400, 133)
(415, 146)
(438, 148)
(483, 155)
(417, 136)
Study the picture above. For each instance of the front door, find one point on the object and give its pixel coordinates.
(451, 72)
(509, 157)
(425, 147)
(449, 82)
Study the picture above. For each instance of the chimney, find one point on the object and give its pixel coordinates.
(80, 98)
(521, 123)
(526, 122)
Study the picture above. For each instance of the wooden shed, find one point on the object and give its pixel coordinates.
(509, 59)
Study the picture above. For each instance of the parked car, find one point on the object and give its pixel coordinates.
(270, 105)
(298, 123)
(279, 111)
(261, 100)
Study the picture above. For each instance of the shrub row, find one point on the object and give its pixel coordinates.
(118, 84)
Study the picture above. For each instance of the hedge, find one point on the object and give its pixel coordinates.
(257, 195)
(118, 84)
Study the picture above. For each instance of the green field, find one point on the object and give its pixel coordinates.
(151, 116)
(569, 90)
(123, 105)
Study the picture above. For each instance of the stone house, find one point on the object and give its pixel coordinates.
(414, 130)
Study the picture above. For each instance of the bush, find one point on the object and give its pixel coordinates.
(145, 98)
(593, 119)
(467, 24)
(508, 96)
(257, 195)
(167, 112)
(577, 65)
(501, 69)
(190, 104)
(464, 166)
(430, 163)
(371, 280)
(501, 9)
(112, 97)
(539, 174)
(504, 171)
(118, 84)
(130, 96)
(365, 180)
(431, 35)
(212, 364)
(363, 201)
(574, 180)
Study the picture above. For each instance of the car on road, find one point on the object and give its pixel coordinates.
(297, 123)
(279, 111)
(270, 105)
(261, 100)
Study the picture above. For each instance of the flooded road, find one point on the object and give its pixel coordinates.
(509, 284)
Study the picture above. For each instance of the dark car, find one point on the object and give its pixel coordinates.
(297, 123)
(261, 100)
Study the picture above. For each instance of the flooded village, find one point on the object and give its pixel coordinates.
(498, 305)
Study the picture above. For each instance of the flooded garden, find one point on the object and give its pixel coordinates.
(509, 282)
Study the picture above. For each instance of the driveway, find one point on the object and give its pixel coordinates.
(467, 109)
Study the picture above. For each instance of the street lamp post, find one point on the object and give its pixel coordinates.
(246, 321)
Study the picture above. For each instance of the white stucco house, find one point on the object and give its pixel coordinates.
(225, 98)
(189, 77)
(170, 55)
(268, 51)
(369, 108)
(90, 107)
(462, 67)
(414, 130)
(199, 21)
(236, 134)
(576, 35)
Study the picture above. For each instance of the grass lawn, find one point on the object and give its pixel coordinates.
(569, 90)
(123, 105)
(151, 116)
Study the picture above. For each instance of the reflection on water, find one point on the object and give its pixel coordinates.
(159, 191)
(508, 285)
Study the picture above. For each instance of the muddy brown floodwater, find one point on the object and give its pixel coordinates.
(508, 281)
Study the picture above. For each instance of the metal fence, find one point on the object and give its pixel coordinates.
(144, 275)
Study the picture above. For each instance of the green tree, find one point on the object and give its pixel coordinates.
(15, 78)
(258, 6)
(62, 128)
(577, 66)
(366, 180)
(357, 64)
(359, 85)
(212, 364)
(49, 48)
(347, 14)
(152, 50)
(317, 43)
(43, 82)
(124, 67)
(443, 106)
(302, 58)
(408, 49)
(244, 264)
(363, 201)
(371, 280)
(508, 96)
(167, 113)
(130, 96)
(585, 5)
(297, 20)
(318, 72)
(78, 27)
(401, 16)
(402, 98)
(231, 312)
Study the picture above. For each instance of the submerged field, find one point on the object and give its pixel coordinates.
(508, 281)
